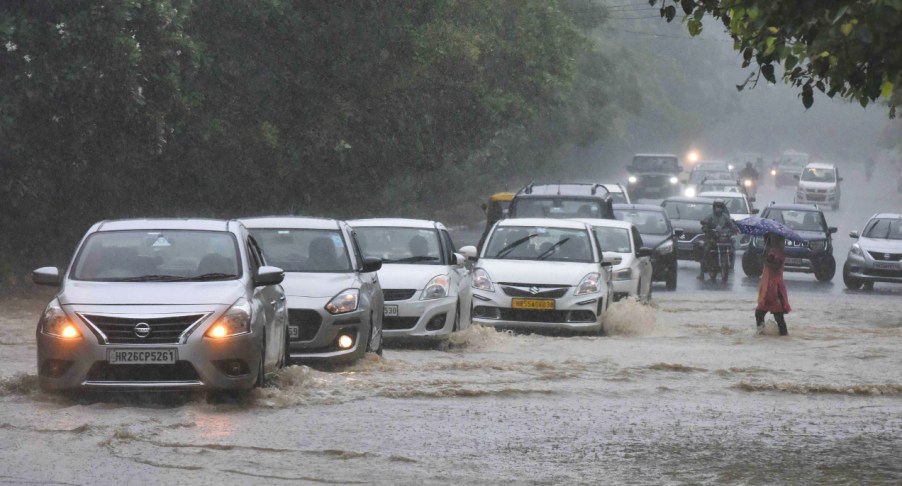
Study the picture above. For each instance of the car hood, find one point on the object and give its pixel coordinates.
(655, 173)
(817, 185)
(151, 293)
(298, 284)
(812, 235)
(537, 272)
(687, 225)
(652, 241)
(880, 245)
(406, 276)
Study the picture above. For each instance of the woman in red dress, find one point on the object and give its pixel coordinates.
(772, 291)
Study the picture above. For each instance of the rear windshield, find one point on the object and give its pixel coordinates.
(304, 250)
(812, 174)
(799, 220)
(401, 245)
(647, 222)
(558, 208)
(158, 256)
(887, 229)
(697, 176)
(687, 210)
(655, 164)
(539, 243)
(735, 205)
(718, 188)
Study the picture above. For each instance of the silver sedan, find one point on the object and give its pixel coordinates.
(877, 256)
(163, 304)
(334, 296)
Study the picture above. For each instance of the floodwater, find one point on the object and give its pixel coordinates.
(681, 391)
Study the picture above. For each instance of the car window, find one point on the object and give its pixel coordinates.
(613, 239)
(648, 222)
(637, 239)
(449, 244)
(158, 255)
(812, 174)
(358, 253)
(655, 164)
(558, 208)
(304, 250)
(619, 198)
(401, 245)
(540, 243)
(257, 259)
(687, 210)
(883, 228)
(799, 220)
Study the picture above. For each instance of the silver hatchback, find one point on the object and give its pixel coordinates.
(163, 304)
(877, 256)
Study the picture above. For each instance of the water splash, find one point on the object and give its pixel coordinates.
(629, 317)
(889, 389)
(479, 338)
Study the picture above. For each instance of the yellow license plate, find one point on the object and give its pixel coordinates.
(543, 304)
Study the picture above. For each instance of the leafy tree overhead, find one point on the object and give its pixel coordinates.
(846, 48)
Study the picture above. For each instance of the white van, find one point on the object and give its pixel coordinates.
(819, 184)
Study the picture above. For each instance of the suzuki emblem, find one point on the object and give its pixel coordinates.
(142, 329)
(534, 290)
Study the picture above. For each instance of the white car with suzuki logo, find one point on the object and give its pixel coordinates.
(334, 296)
(163, 304)
(540, 273)
(819, 183)
(424, 282)
(621, 244)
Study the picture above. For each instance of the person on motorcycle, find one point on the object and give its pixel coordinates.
(718, 221)
(748, 172)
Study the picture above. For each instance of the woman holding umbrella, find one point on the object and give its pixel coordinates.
(771, 290)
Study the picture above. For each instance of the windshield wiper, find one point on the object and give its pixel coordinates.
(210, 276)
(547, 253)
(152, 278)
(509, 248)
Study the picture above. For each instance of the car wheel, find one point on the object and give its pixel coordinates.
(374, 337)
(671, 282)
(827, 270)
(751, 265)
(851, 282)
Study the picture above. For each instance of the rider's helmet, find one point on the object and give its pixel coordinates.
(748, 165)
(720, 207)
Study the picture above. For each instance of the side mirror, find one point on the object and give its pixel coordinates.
(459, 259)
(755, 211)
(469, 252)
(371, 264)
(832, 229)
(267, 275)
(46, 276)
(854, 234)
(678, 232)
(643, 252)
(795, 176)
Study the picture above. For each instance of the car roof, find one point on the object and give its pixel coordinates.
(795, 207)
(543, 222)
(614, 223)
(701, 200)
(721, 182)
(290, 222)
(393, 222)
(736, 195)
(887, 216)
(563, 189)
(615, 187)
(163, 224)
(656, 155)
(640, 207)
(820, 165)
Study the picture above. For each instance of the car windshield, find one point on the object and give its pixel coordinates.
(655, 164)
(697, 176)
(799, 220)
(647, 222)
(735, 205)
(616, 240)
(812, 174)
(557, 207)
(706, 187)
(400, 245)
(687, 210)
(158, 256)
(619, 198)
(539, 243)
(304, 250)
(794, 160)
(885, 229)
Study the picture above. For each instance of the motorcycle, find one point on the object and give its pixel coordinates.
(751, 186)
(720, 255)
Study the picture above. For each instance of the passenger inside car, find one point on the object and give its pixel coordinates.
(321, 255)
(419, 246)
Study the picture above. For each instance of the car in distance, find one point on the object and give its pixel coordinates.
(877, 255)
(813, 255)
(658, 234)
(654, 176)
(424, 282)
(739, 207)
(788, 167)
(163, 304)
(707, 171)
(562, 201)
(819, 183)
(722, 185)
(540, 273)
(334, 297)
(621, 245)
(686, 215)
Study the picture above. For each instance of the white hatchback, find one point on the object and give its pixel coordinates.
(621, 244)
(819, 184)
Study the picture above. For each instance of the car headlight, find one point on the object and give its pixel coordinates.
(747, 183)
(623, 274)
(856, 250)
(590, 284)
(690, 192)
(56, 323)
(665, 248)
(438, 287)
(674, 180)
(344, 302)
(236, 320)
(482, 281)
(633, 179)
(817, 245)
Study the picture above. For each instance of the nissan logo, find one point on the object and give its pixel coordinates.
(887, 256)
(534, 290)
(142, 329)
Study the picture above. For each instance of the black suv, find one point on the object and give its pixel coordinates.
(657, 233)
(654, 176)
(562, 201)
(814, 255)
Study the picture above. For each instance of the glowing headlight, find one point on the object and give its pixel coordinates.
(817, 245)
(589, 284)
(690, 192)
(773, 172)
(236, 320)
(633, 179)
(55, 322)
(731, 166)
(623, 274)
(747, 183)
(856, 250)
(674, 180)
(482, 281)
(437, 288)
(665, 248)
(344, 302)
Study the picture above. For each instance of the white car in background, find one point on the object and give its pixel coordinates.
(424, 282)
(540, 273)
(819, 184)
(621, 244)
(618, 193)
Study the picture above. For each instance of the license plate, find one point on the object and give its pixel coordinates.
(794, 261)
(142, 356)
(543, 304)
(390, 311)
(294, 332)
(887, 266)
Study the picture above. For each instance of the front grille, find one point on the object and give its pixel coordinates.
(816, 197)
(881, 256)
(547, 316)
(525, 290)
(180, 371)
(308, 322)
(397, 294)
(399, 323)
(163, 330)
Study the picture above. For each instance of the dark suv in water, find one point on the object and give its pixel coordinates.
(562, 201)
(658, 234)
(654, 176)
(814, 255)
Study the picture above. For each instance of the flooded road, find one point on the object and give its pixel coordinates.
(682, 391)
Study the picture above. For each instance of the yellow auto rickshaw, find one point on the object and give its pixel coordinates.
(495, 210)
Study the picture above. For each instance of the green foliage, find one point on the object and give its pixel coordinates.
(846, 48)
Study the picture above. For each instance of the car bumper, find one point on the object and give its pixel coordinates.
(319, 342)
(571, 312)
(866, 270)
(815, 198)
(420, 319)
